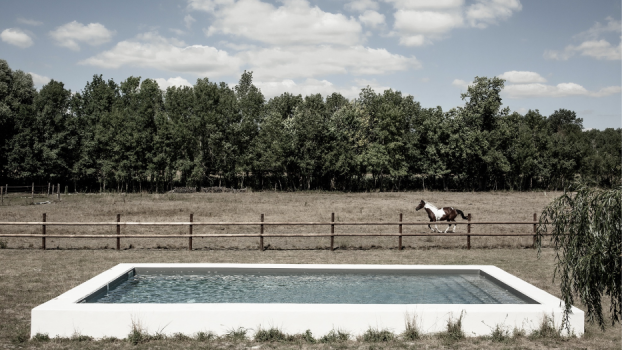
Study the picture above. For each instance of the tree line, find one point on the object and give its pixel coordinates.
(132, 136)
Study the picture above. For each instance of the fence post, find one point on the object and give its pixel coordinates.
(261, 234)
(33, 193)
(332, 231)
(48, 189)
(535, 218)
(190, 233)
(399, 243)
(2, 195)
(58, 192)
(43, 232)
(118, 232)
(469, 231)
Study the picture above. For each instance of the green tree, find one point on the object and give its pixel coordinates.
(587, 235)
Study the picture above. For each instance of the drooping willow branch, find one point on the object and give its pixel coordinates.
(587, 235)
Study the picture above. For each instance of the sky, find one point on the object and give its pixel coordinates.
(552, 54)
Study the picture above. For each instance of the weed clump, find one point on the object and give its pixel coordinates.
(205, 336)
(378, 335)
(236, 334)
(271, 335)
(335, 336)
(547, 330)
(454, 331)
(77, 337)
(500, 334)
(412, 331)
(137, 335)
(41, 337)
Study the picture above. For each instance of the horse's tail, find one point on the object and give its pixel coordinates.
(461, 214)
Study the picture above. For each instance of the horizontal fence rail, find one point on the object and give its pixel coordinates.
(118, 224)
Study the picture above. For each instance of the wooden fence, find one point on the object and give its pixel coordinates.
(32, 190)
(261, 234)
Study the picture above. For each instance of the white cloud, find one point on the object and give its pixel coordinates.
(30, 22)
(423, 21)
(17, 37)
(70, 34)
(188, 20)
(311, 61)
(591, 46)
(152, 50)
(461, 83)
(208, 5)
(361, 5)
(426, 4)
(426, 22)
(599, 49)
(39, 80)
(314, 86)
(177, 81)
(486, 12)
(598, 29)
(372, 18)
(522, 77)
(293, 23)
(559, 90)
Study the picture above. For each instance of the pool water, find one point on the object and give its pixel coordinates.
(310, 288)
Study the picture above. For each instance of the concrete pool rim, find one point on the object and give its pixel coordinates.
(67, 314)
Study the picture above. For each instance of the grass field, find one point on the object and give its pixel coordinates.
(277, 206)
(29, 276)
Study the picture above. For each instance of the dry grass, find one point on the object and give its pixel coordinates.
(279, 206)
(29, 277)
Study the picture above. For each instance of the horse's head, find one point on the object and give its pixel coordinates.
(421, 205)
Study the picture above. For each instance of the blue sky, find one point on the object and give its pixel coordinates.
(553, 54)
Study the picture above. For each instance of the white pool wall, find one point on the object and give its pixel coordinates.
(64, 316)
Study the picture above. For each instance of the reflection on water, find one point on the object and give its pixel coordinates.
(324, 288)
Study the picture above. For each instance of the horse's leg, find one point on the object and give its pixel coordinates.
(448, 226)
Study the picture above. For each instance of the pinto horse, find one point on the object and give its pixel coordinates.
(435, 214)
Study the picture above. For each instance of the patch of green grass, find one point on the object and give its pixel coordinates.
(374, 335)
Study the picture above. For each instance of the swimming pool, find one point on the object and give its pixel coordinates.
(188, 298)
